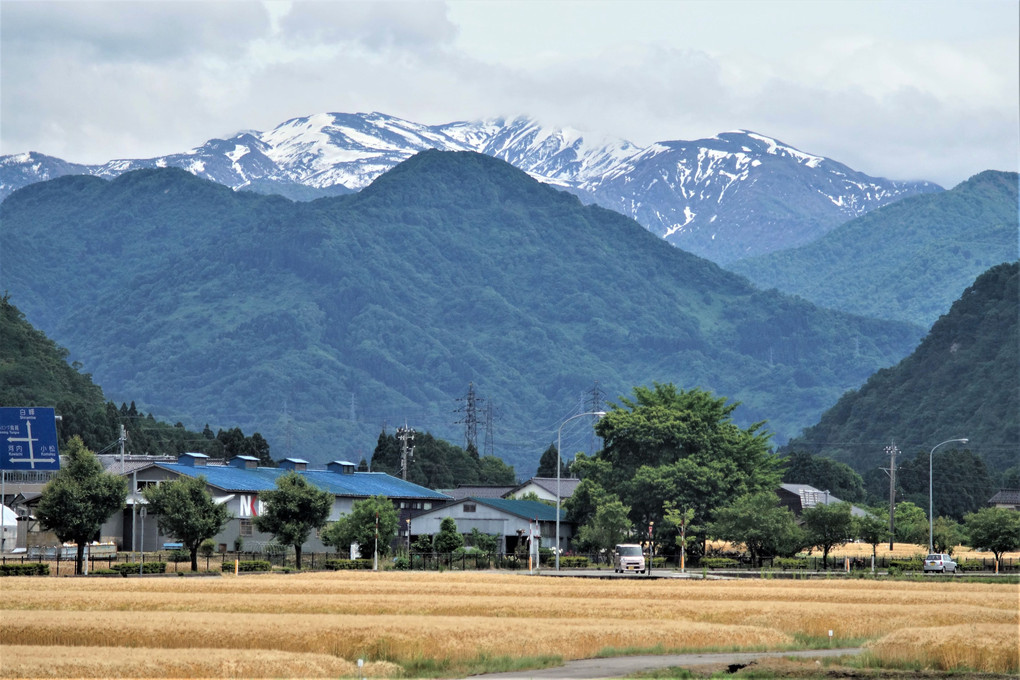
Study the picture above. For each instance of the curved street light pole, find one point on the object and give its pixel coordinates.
(559, 464)
(931, 505)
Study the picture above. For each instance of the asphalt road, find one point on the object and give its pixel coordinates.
(620, 666)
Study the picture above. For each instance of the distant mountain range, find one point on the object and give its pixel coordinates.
(319, 323)
(907, 261)
(736, 195)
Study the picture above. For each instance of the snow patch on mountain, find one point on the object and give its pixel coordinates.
(745, 184)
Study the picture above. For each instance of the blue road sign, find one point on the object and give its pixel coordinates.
(28, 439)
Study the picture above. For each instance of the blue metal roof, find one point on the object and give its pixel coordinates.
(530, 510)
(359, 484)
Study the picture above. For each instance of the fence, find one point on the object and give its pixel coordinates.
(62, 563)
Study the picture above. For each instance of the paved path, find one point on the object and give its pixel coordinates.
(620, 666)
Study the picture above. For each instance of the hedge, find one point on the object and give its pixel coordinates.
(790, 562)
(338, 565)
(26, 569)
(718, 562)
(248, 565)
(129, 568)
(574, 562)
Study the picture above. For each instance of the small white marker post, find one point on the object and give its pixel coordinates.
(361, 666)
(830, 637)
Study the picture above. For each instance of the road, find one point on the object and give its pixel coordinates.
(621, 666)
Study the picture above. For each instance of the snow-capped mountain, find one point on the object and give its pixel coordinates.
(731, 196)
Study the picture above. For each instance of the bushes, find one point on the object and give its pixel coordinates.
(129, 568)
(575, 562)
(26, 569)
(339, 565)
(718, 562)
(249, 565)
(790, 563)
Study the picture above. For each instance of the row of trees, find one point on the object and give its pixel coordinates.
(675, 463)
(82, 496)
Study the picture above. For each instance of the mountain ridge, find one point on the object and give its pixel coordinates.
(920, 253)
(755, 193)
(451, 269)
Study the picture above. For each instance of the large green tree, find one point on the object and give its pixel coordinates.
(763, 526)
(185, 510)
(828, 526)
(668, 444)
(995, 529)
(361, 524)
(947, 533)
(292, 510)
(911, 523)
(80, 498)
(609, 525)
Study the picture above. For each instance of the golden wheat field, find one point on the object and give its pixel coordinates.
(320, 624)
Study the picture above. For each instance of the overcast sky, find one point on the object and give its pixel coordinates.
(905, 89)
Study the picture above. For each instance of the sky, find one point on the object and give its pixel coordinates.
(903, 89)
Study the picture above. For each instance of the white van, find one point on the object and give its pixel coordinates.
(628, 557)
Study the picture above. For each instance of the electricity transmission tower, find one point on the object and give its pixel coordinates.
(470, 419)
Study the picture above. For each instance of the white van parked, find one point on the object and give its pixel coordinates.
(628, 557)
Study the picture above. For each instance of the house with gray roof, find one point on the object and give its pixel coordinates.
(1006, 498)
(545, 488)
(509, 519)
(800, 497)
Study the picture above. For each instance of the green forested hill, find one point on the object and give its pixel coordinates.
(906, 261)
(317, 323)
(962, 381)
(34, 372)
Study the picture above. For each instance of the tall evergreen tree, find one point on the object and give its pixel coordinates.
(547, 463)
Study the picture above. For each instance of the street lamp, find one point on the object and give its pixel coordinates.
(931, 508)
(559, 464)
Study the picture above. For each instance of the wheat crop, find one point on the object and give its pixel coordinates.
(991, 648)
(404, 618)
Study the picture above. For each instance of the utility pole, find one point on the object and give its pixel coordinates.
(123, 437)
(891, 471)
(405, 434)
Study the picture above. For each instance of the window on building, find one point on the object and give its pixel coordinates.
(469, 507)
(246, 527)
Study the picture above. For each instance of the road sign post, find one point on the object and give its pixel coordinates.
(28, 439)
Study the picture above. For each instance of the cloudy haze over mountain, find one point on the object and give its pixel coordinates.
(899, 89)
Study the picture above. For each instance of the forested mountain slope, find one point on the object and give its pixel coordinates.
(909, 260)
(962, 381)
(319, 323)
(34, 372)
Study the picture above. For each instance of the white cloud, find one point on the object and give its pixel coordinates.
(882, 86)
